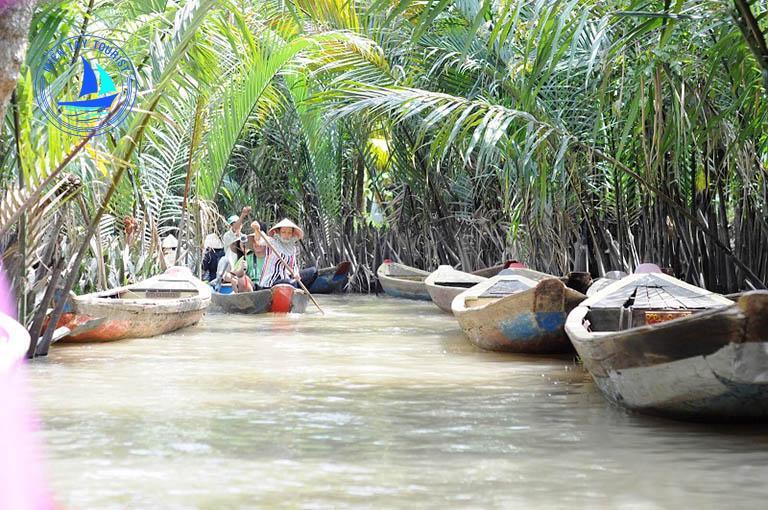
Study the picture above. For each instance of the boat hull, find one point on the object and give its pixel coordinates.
(404, 289)
(329, 284)
(443, 296)
(135, 317)
(528, 322)
(409, 286)
(331, 280)
(445, 283)
(712, 365)
(257, 302)
(123, 324)
(14, 342)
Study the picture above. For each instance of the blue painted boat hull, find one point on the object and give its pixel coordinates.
(530, 321)
(329, 284)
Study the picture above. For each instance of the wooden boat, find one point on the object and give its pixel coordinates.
(489, 272)
(331, 279)
(578, 281)
(658, 345)
(14, 341)
(279, 299)
(516, 312)
(399, 280)
(600, 283)
(167, 302)
(446, 283)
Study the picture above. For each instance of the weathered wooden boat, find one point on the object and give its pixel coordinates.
(658, 345)
(488, 272)
(167, 302)
(14, 341)
(446, 283)
(578, 281)
(600, 283)
(331, 279)
(399, 280)
(515, 312)
(281, 298)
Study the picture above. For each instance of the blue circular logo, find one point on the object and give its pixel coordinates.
(85, 85)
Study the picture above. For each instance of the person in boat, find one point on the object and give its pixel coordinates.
(284, 239)
(213, 251)
(252, 263)
(233, 233)
(235, 274)
(169, 246)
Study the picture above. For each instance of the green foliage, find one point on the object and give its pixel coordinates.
(483, 129)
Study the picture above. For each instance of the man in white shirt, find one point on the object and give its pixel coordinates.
(233, 234)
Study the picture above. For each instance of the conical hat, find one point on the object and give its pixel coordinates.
(213, 242)
(285, 222)
(170, 242)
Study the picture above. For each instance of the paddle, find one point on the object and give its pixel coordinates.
(290, 269)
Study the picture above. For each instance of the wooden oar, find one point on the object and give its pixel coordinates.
(290, 269)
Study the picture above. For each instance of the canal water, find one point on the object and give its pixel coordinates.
(380, 403)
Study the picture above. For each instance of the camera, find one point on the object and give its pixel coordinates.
(243, 238)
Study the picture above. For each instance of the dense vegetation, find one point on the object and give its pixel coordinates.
(569, 134)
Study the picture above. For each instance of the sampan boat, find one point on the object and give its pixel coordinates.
(399, 280)
(446, 283)
(600, 283)
(516, 313)
(282, 298)
(331, 279)
(167, 302)
(658, 345)
(488, 272)
(14, 342)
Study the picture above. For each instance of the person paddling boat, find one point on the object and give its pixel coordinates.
(284, 240)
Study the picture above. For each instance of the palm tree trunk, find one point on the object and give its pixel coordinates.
(15, 16)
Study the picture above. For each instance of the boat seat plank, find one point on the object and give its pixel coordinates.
(161, 290)
(652, 292)
(505, 288)
(411, 277)
(463, 285)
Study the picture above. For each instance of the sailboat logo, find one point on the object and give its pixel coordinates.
(106, 79)
(104, 89)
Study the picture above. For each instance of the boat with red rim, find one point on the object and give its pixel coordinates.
(163, 303)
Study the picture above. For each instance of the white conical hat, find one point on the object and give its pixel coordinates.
(170, 242)
(213, 242)
(285, 222)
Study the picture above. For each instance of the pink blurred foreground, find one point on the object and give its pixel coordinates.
(22, 483)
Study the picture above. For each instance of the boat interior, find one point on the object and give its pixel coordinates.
(409, 277)
(164, 289)
(647, 301)
(463, 285)
(499, 289)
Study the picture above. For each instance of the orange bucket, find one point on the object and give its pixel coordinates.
(282, 298)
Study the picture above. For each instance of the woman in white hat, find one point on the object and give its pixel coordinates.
(213, 250)
(284, 237)
(169, 246)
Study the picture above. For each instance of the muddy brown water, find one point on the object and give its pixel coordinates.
(380, 403)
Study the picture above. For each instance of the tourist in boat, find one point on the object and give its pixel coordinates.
(169, 246)
(256, 252)
(213, 252)
(233, 233)
(235, 274)
(284, 239)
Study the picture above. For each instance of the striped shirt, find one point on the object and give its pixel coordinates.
(273, 270)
